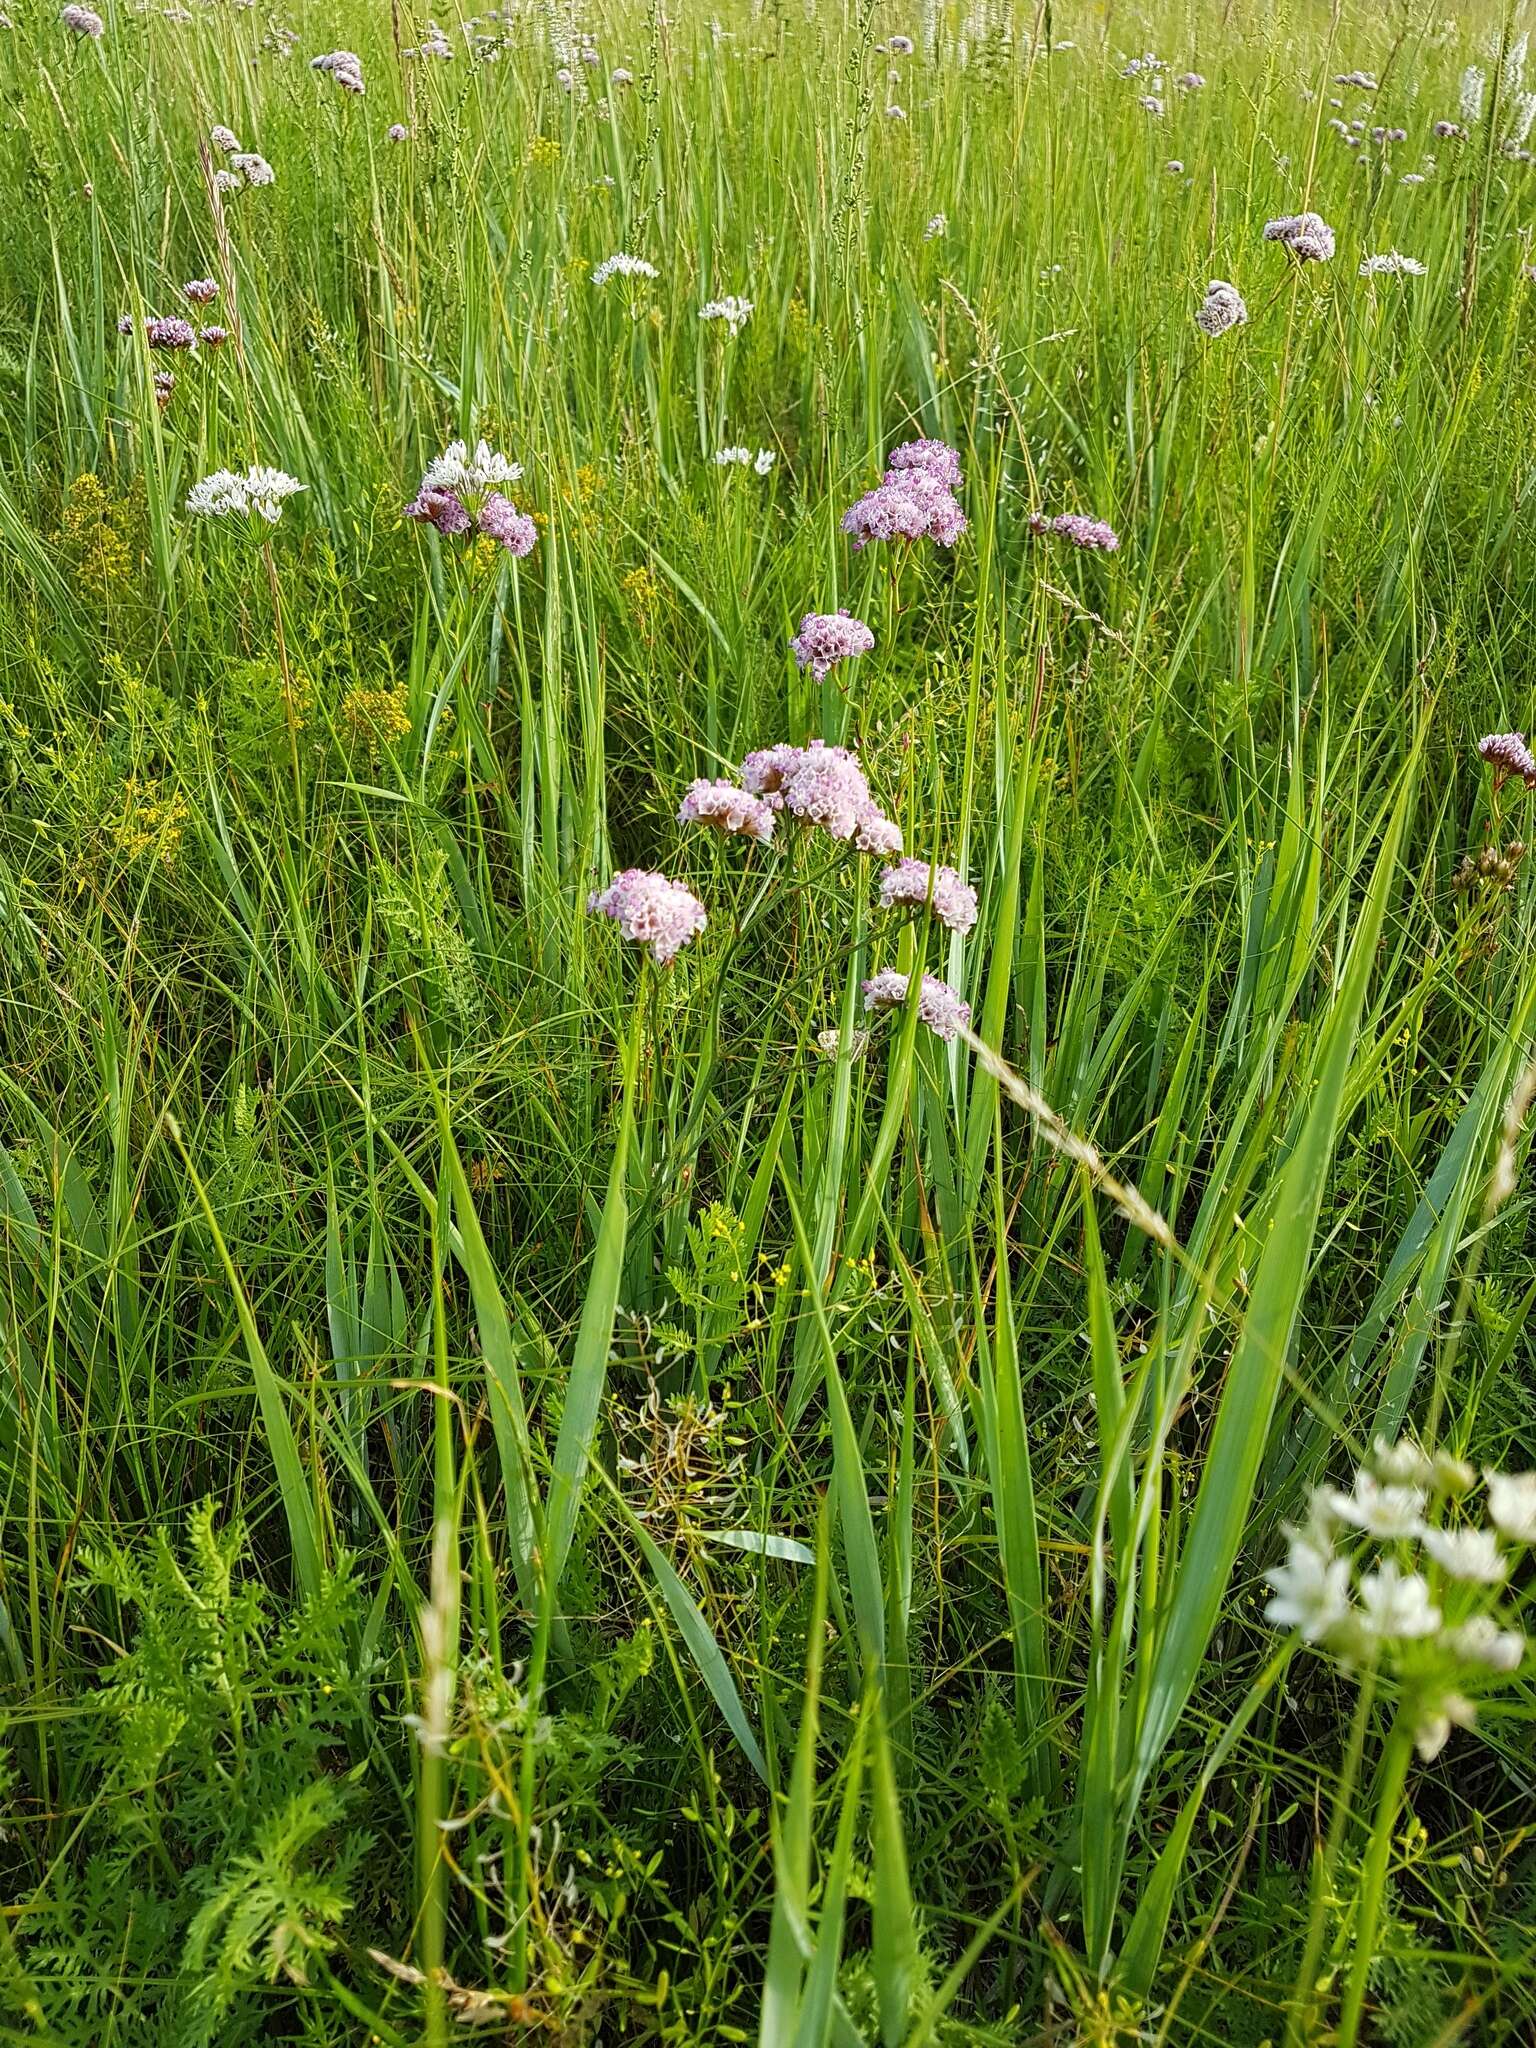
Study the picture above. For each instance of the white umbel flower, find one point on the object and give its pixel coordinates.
(227, 494)
(1311, 1588)
(1468, 1554)
(1512, 1504)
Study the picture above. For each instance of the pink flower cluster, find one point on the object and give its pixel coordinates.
(1076, 527)
(651, 911)
(825, 786)
(1507, 754)
(202, 291)
(736, 812)
(168, 331)
(345, 66)
(915, 500)
(917, 885)
(938, 1005)
(826, 638)
(1307, 235)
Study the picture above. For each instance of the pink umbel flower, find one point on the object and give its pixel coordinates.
(170, 332)
(828, 789)
(736, 812)
(345, 66)
(765, 772)
(501, 521)
(911, 506)
(826, 638)
(931, 458)
(1507, 754)
(213, 337)
(651, 911)
(83, 21)
(1083, 532)
(442, 510)
(938, 1005)
(202, 291)
(918, 886)
(876, 833)
(1307, 235)
(397, 132)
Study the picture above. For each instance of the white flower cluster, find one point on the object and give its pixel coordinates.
(258, 493)
(735, 312)
(623, 266)
(743, 458)
(469, 475)
(1437, 1629)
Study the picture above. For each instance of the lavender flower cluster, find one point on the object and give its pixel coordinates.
(915, 500)
(1307, 235)
(1507, 755)
(826, 638)
(651, 911)
(344, 66)
(1094, 535)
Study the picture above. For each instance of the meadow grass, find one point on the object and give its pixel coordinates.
(588, 1500)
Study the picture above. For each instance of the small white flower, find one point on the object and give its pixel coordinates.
(1381, 1510)
(732, 458)
(1311, 1587)
(1397, 1604)
(1467, 1554)
(895, 113)
(763, 461)
(1435, 1721)
(1482, 1641)
(1512, 1504)
(253, 168)
(937, 226)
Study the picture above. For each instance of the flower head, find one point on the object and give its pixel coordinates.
(397, 132)
(253, 168)
(1507, 754)
(935, 459)
(1083, 532)
(909, 505)
(258, 492)
(83, 21)
(1391, 265)
(170, 332)
(345, 66)
(499, 520)
(736, 812)
(202, 291)
(213, 337)
(826, 638)
(916, 885)
(1307, 235)
(828, 788)
(224, 138)
(938, 1005)
(651, 911)
(623, 266)
(733, 311)
(1221, 308)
